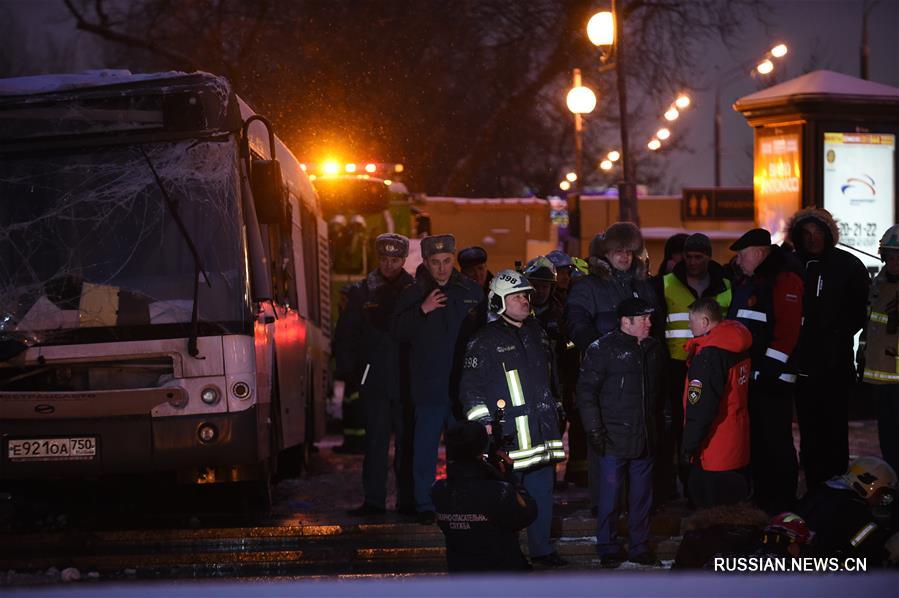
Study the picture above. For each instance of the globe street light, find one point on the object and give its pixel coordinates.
(605, 30)
(613, 155)
(580, 100)
(601, 29)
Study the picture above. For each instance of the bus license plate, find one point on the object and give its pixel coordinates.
(52, 449)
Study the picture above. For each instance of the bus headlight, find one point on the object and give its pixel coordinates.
(241, 390)
(210, 395)
(207, 433)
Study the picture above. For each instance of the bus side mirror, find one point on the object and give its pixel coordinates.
(268, 191)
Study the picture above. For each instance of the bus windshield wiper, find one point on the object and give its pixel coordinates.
(198, 262)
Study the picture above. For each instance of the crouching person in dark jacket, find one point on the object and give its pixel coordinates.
(479, 509)
(617, 395)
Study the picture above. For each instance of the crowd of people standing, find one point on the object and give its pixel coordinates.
(685, 382)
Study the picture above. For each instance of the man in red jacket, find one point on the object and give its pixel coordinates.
(716, 413)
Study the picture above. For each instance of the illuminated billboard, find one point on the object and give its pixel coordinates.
(859, 187)
(777, 179)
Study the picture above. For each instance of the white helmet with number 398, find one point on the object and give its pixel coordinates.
(507, 282)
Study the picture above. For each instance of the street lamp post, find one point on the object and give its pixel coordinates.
(580, 100)
(764, 67)
(605, 30)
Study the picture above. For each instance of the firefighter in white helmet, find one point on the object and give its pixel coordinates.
(509, 359)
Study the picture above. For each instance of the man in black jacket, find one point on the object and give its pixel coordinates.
(436, 316)
(618, 394)
(834, 309)
(480, 510)
(366, 353)
(617, 272)
(509, 359)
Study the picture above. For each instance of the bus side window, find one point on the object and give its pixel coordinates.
(310, 261)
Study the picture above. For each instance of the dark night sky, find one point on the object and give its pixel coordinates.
(826, 32)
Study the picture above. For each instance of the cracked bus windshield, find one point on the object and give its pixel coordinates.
(89, 249)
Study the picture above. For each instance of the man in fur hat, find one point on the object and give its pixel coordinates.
(834, 309)
(617, 272)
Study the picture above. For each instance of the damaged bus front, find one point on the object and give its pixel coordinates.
(154, 292)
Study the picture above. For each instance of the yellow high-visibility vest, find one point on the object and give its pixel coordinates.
(677, 325)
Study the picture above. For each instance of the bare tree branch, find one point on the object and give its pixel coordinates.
(128, 40)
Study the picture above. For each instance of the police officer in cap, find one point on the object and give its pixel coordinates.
(436, 315)
(364, 348)
(480, 509)
(473, 264)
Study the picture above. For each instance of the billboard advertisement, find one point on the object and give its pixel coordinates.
(859, 187)
(777, 178)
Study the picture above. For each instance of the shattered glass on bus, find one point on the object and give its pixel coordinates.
(91, 249)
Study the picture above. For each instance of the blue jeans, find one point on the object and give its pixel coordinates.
(539, 484)
(612, 471)
(430, 421)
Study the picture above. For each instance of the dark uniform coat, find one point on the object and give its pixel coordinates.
(362, 340)
(437, 340)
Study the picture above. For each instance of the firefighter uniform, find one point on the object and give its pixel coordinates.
(769, 304)
(843, 524)
(881, 364)
(510, 363)
(716, 420)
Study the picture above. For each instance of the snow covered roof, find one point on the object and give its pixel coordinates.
(70, 81)
(821, 85)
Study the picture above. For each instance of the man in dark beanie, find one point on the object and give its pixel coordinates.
(834, 309)
(473, 264)
(480, 510)
(436, 315)
(673, 253)
(367, 354)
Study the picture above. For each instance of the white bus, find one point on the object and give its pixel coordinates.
(164, 283)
